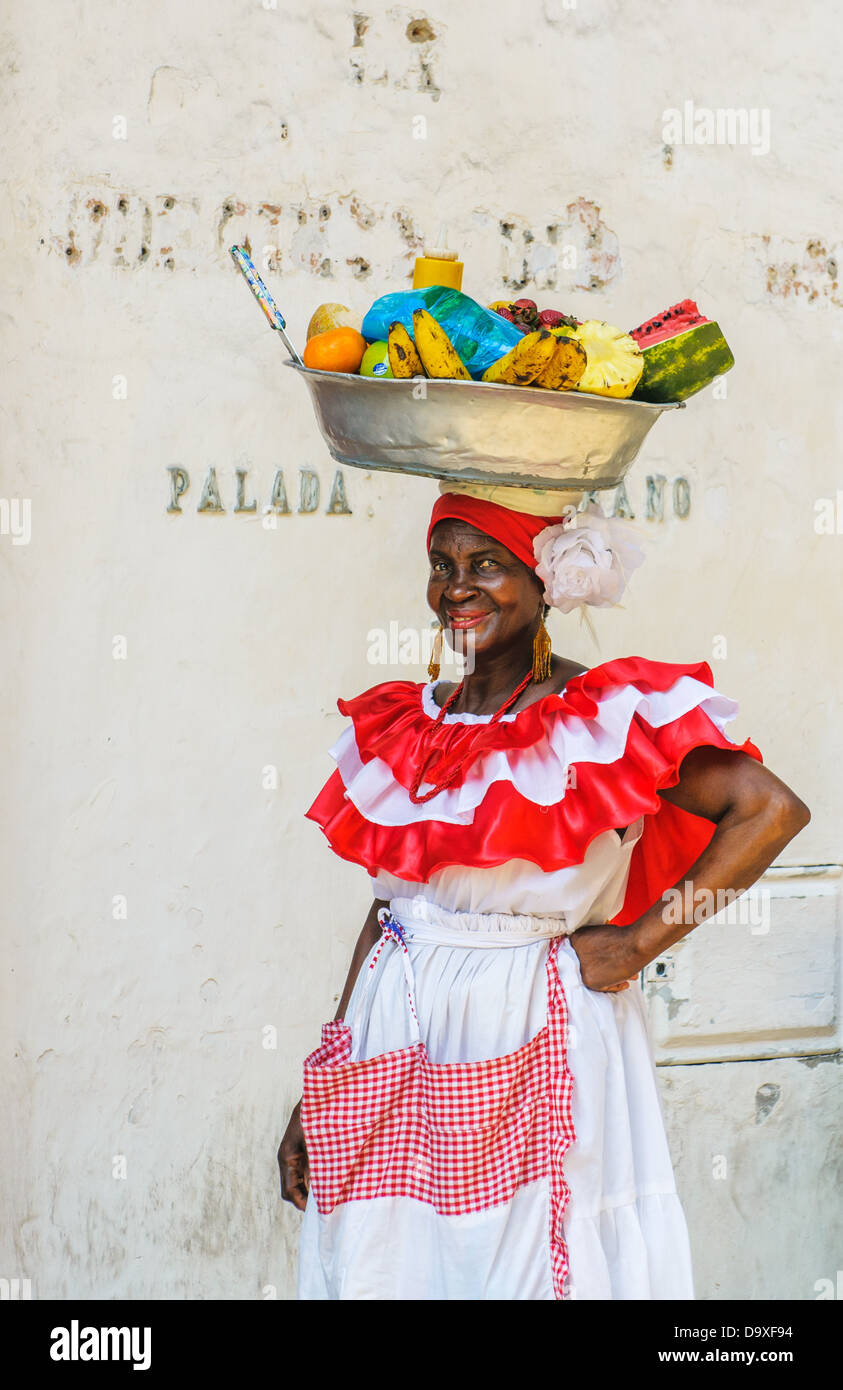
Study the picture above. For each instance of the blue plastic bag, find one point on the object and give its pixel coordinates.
(479, 335)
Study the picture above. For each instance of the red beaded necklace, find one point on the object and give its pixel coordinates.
(452, 774)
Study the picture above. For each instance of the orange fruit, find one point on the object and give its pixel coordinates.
(338, 350)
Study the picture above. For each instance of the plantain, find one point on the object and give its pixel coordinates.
(566, 366)
(403, 358)
(526, 361)
(437, 352)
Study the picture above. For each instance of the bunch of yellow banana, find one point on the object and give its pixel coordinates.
(567, 364)
(431, 353)
(403, 358)
(525, 362)
(438, 355)
(545, 358)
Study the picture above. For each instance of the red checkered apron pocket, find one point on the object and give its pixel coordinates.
(462, 1136)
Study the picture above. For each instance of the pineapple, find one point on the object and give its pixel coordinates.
(615, 361)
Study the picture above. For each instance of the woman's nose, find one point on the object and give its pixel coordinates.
(460, 583)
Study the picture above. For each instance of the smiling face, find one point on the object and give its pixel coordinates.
(476, 585)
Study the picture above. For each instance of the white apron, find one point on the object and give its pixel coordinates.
(417, 1218)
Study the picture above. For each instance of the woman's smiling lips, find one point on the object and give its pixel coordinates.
(465, 619)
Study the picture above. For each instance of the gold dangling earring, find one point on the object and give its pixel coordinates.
(433, 666)
(542, 647)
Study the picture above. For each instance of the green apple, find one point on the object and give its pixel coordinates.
(376, 360)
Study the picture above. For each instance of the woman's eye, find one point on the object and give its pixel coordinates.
(440, 566)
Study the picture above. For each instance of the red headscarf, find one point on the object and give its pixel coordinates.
(513, 529)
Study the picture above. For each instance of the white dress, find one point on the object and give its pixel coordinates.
(477, 939)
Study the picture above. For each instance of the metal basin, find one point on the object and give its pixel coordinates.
(473, 431)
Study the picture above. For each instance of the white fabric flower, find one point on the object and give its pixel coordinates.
(585, 560)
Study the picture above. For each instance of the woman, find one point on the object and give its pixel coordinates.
(483, 1117)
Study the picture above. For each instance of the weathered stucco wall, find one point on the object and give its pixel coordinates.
(175, 929)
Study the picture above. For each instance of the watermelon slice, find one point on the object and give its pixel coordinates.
(683, 352)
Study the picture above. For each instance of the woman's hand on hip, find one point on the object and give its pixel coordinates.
(607, 956)
(292, 1162)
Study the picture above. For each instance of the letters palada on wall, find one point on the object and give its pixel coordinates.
(658, 493)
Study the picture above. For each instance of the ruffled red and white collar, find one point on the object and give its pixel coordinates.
(588, 722)
(537, 785)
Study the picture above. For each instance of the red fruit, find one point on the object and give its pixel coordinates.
(554, 318)
(505, 314)
(525, 304)
(669, 324)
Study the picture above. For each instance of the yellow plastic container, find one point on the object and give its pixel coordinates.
(438, 268)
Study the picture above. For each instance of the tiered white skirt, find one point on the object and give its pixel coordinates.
(480, 985)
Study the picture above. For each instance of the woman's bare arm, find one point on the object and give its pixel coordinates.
(756, 815)
(292, 1151)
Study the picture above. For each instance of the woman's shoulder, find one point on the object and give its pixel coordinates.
(629, 670)
(385, 690)
(383, 696)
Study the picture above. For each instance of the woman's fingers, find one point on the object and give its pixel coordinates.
(293, 1164)
(295, 1179)
(603, 950)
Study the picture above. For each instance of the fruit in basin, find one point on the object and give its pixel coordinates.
(438, 355)
(525, 362)
(565, 369)
(338, 350)
(683, 352)
(615, 361)
(328, 316)
(527, 316)
(403, 358)
(376, 360)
